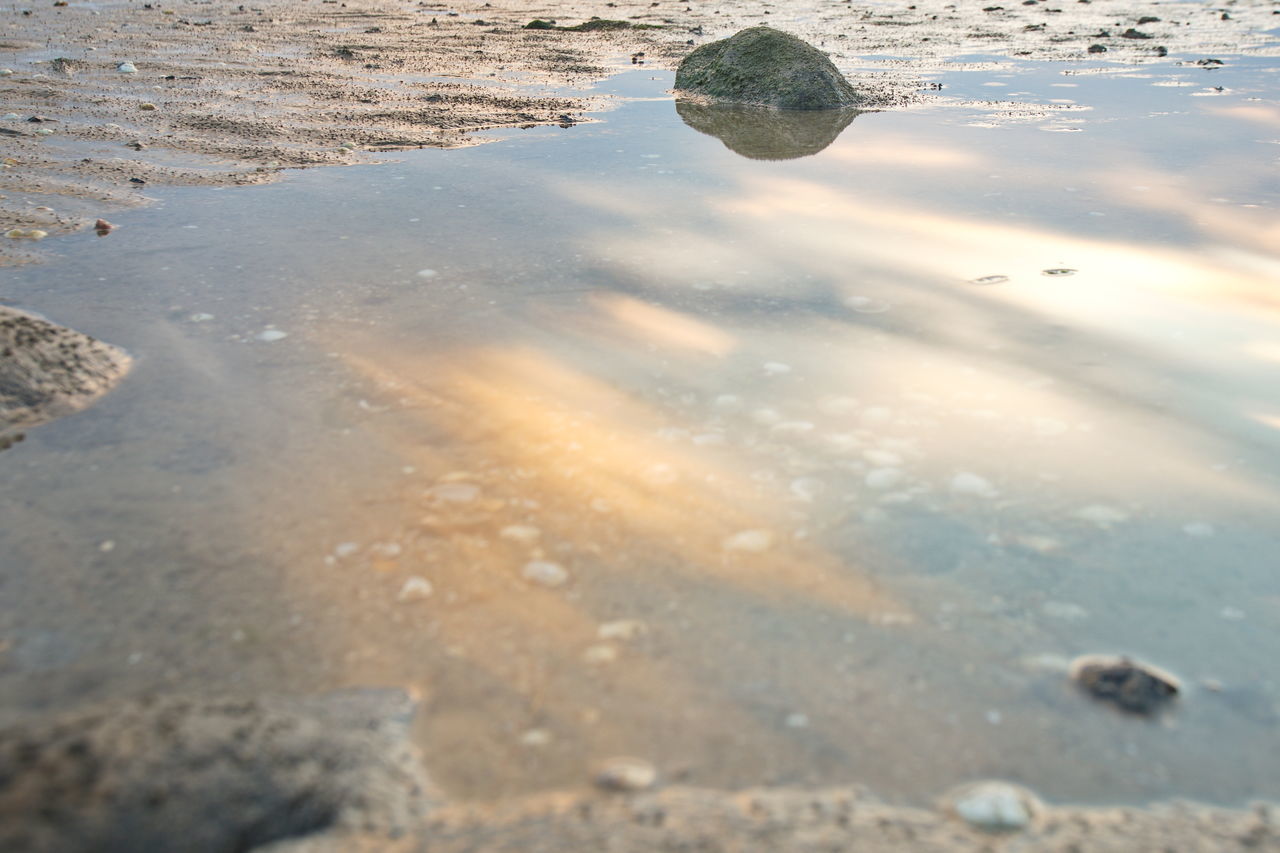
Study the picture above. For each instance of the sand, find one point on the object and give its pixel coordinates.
(232, 94)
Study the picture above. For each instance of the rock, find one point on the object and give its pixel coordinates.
(416, 588)
(761, 66)
(205, 775)
(49, 371)
(767, 134)
(1131, 686)
(749, 541)
(626, 774)
(994, 806)
(544, 573)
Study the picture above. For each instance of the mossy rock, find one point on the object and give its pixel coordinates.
(762, 66)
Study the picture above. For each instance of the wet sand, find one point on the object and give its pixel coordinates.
(230, 95)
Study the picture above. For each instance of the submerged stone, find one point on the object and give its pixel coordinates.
(48, 371)
(995, 806)
(764, 134)
(1129, 685)
(765, 67)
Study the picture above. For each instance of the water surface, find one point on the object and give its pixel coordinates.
(839, 475)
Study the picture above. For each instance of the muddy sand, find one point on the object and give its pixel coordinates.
(108, 99)
(105, 99)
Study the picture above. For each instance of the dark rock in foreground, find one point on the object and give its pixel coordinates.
(765, 134)
(47, 370)
(765, 67)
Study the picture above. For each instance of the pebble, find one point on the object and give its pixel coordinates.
(882, 479)
(535, 737)
(622, 629)
(797, 720)
(545, 573)
(626, 774)
(5, 72)
(271, 335)
(995, 806)
(386, 550)
(882, 458)
(1102, 515)
(1064, 610)
(44, 131)
(521, 534)
(127, 68)
(600, 654)
(346, 549)
(990, 279)
(200, 317)
(454, 492)
(749, 541)
(415, 588)
(866, 305)
(10, 117)
(147, 106)
(1130, 685)
(31, 234)
(966, 483)
(1057, 271)
(427, 273)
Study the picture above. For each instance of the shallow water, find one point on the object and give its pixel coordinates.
(840, 477)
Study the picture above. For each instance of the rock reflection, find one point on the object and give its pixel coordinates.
(765, 134)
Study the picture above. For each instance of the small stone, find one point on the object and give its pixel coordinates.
(1058, 271)
(622, 629)
(600, 653)
(1130, 685)
(346, 549)
(5, 72)
(626, 774)
(989, 279)
(415, 588)
(271, 335)
(995, 806)
(147, 106)
(107, 546)
(882, 479)
(521, 534)
(454, 492)
(544, 573)
(426, 273)
(127, 68)
(200, 317)
(966, 483)
(386, 550)
(749, 541)
(535, 737)
(1102, 515)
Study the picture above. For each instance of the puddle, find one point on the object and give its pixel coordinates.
(772, 469)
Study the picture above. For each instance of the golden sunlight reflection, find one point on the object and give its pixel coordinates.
(662, 326)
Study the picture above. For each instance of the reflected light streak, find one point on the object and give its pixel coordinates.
(662, 325)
